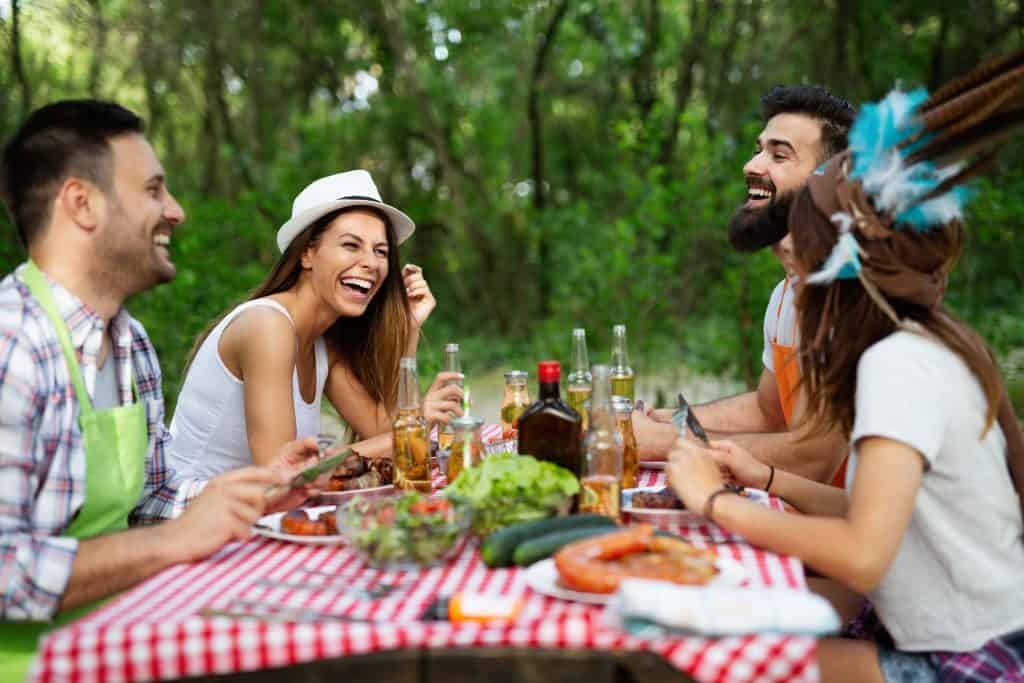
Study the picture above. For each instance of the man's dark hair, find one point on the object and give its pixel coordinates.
(835, 114)
(59, 140)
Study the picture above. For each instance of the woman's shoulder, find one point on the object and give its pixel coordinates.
(258, 330)
(260, 316)
(906, 351)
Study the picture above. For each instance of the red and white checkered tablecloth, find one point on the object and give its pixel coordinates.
(153, 632)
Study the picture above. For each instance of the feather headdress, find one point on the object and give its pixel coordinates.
(910, 155)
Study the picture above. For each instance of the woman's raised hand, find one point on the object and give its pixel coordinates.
(443, 400)
(421, 299)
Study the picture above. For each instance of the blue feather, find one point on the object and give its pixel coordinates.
(880, 127)
(936, 211)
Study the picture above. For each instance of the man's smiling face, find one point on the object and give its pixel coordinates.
(787, 152)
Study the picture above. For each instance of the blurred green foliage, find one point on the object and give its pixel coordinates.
(567, 163)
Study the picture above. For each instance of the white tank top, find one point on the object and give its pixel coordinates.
(208, 429)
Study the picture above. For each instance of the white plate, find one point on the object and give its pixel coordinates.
(542, 577)
(660, 516)
(273, 528)
(652, 464)
(656, 516)
(328, 497)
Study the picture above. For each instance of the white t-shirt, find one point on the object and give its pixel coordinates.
(779, 321)
(208, 428)
(958, 578)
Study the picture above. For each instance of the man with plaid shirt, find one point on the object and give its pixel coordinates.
(82, 436)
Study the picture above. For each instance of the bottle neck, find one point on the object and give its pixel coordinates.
(549, 390)
(580, 361)
(515, 391)
(602, 416)
(620, 357)
(452, 362)
(408, 391)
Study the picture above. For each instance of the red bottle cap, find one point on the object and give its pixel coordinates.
(549, 371)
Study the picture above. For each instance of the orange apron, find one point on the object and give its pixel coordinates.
(787, 377)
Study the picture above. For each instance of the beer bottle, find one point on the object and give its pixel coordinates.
(621, 372)
(579, 380)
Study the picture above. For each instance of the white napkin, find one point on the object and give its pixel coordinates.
(656, 608)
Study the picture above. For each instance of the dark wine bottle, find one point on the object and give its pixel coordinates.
(550, 429)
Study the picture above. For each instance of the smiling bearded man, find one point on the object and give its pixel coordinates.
(804, 126)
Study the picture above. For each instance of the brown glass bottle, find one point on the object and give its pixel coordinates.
(550, 429)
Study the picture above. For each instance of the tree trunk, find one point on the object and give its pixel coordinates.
(547, 39)
(938, 56)
(840, 38)
(216, 101)
(685, 77)
(258, 105)
(727, 56)
(16, 63)
(99, 47)
(643, 74)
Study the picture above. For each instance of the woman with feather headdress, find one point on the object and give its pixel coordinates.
(929, 527)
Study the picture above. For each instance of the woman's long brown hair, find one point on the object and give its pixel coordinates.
(839, 322)
(372, 344)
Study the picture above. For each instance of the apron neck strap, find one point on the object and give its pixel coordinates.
(40, 288)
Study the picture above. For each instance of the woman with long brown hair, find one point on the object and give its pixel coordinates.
(333, 318)
(929, 527)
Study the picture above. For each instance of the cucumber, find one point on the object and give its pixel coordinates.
(498, 549)
(547, 545)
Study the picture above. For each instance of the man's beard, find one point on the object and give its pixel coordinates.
(753, 229)
(129, 261)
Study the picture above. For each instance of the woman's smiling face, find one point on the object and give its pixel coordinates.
(349, 262)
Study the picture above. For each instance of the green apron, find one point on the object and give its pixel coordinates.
(115, 442)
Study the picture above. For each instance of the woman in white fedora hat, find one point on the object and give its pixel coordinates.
(333, 317)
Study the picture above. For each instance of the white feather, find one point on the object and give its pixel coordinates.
(845, 253)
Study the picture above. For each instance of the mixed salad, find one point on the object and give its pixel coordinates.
(507, 488)
(408, 528)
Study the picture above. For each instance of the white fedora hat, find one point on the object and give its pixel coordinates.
(351, 188)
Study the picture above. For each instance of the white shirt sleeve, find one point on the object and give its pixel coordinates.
(898, 381)
(771, 323)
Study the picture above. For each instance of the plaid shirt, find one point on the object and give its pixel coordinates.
(1000, 660)
(42, 461)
